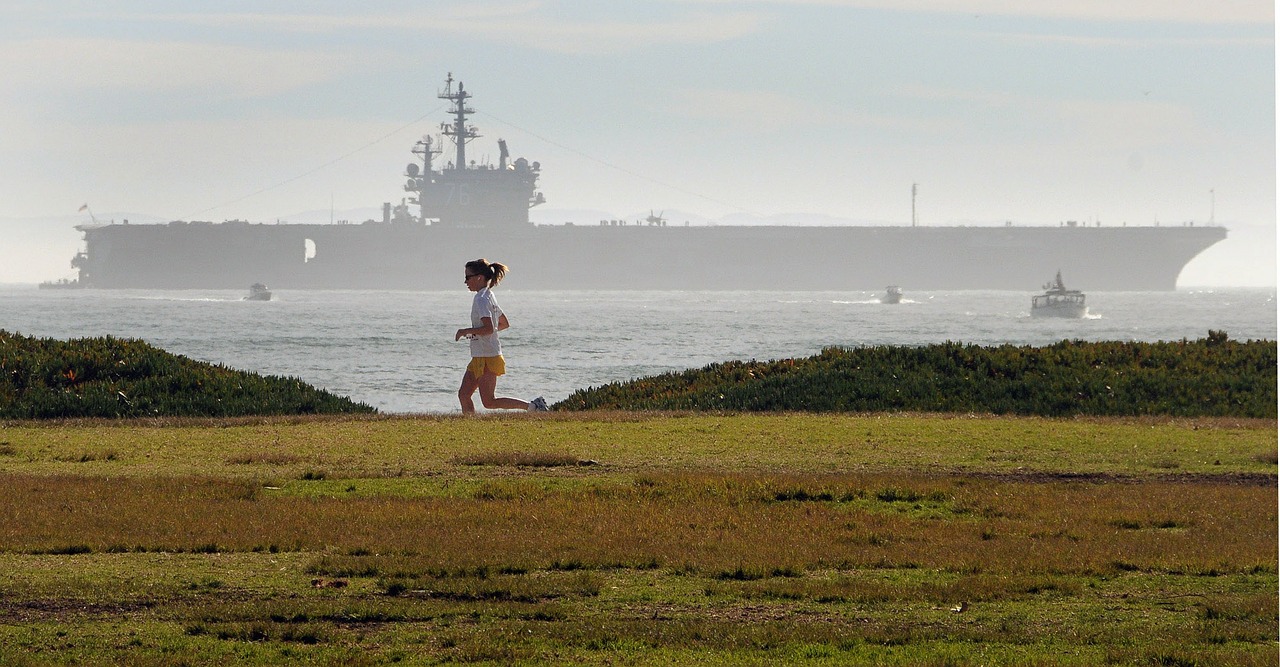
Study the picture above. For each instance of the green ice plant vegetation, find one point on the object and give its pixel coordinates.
(1213, 376)
(109, 377)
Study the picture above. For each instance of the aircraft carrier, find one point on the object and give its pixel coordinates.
(459, 211)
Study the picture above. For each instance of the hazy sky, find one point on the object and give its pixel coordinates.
(1035, 111)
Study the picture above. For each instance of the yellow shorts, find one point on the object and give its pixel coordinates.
(480, 365)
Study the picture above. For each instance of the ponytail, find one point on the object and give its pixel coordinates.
(496, 272)
(493, 272)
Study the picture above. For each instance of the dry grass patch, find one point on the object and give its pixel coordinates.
(757, 524)
(87, 457)
(657, 568)
(265, 458)
(519, 459)
(515, 587)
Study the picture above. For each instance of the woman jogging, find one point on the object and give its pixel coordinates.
(487, 319)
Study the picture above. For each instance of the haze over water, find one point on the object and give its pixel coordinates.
(395, 350)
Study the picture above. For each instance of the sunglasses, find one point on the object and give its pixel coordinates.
(469, 276)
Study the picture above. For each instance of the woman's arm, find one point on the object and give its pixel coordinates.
(483, 330)
(503, 324)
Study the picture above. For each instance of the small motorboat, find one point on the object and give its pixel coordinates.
(258, 292)
(1058, 301)
(892, 294)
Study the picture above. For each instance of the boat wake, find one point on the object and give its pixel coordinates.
(202, 299)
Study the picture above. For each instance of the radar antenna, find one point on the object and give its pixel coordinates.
(426, 148)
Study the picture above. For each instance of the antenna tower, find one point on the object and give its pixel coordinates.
(458, 129)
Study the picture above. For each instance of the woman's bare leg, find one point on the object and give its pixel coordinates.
(489, 385)
(469, 385)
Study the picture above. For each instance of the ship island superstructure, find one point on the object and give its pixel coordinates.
(466, 210)
(470, 195)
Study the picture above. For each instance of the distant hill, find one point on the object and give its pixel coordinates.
(42, 378)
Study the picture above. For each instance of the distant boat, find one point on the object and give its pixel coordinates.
(892, 294)
(1058, 301)
(258, 292)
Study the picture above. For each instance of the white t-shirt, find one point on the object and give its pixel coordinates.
(484, 305)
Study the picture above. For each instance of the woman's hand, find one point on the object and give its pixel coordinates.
(462, 333)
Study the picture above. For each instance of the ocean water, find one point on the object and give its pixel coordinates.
(395, 350)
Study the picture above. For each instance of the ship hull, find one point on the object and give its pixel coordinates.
(1066, 310)
(636, 257)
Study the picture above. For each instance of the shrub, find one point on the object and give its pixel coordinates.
(43, 378)
(1208, 377)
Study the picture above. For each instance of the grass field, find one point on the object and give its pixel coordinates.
(645, 539)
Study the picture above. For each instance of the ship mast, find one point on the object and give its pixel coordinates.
(418, 181)
(424, 147)
(458, 130)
